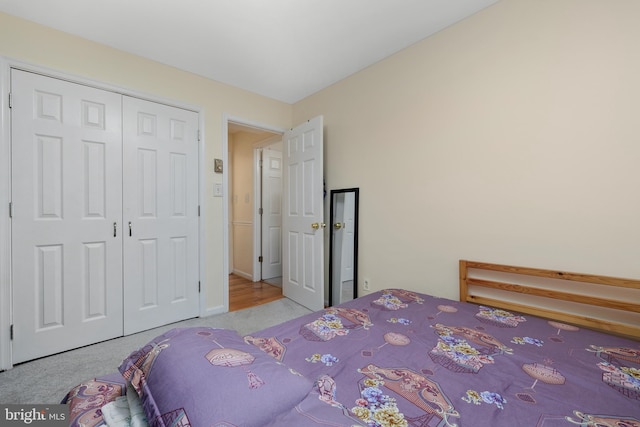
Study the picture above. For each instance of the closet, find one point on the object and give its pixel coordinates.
(104, 191)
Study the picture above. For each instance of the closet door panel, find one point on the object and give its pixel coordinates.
(161, 206)
(66, 190)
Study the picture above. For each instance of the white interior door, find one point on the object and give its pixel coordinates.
(303, 215)
(271, 213)
(67, 215)
(160, 165)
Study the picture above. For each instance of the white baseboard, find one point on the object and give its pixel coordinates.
(247, 276)
(219, 309)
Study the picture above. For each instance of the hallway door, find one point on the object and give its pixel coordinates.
(303, 215)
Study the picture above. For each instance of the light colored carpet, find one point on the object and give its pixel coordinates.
(47, 380)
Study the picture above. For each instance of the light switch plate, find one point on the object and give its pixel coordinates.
(217, 190)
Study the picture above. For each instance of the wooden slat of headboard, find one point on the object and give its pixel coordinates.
(556, 295)
(582, 319)
(554, 274)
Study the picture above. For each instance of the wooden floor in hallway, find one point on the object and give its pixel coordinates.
(243, 293)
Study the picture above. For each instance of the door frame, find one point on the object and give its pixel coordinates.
(6, 64)
(226, 118)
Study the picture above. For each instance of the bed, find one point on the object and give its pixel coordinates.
(523, 347)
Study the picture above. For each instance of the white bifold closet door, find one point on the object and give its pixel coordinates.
(86, 163)
(160, 196)
(66, 144)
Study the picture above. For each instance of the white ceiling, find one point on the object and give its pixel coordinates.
(283, 49)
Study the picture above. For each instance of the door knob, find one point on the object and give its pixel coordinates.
(337, 225)
(317, 225)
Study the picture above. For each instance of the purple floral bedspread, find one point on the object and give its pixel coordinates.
(398, 358)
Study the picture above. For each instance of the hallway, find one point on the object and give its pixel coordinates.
(243, 293)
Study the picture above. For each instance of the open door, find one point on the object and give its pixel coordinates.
(303, 215)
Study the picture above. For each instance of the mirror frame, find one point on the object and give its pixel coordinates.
(356, 191)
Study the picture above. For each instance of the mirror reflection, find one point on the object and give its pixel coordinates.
(343, 244)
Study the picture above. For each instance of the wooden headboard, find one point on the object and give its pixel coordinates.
(604, 303)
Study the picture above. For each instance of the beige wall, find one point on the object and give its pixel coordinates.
(511, 137)
(241, 199)
(38, 45)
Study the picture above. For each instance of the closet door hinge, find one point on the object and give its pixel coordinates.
(10, 104)
(10, 209)
(198, 210)
(199, 287)
(260, 258)
(11, 332)
(198, 135)
(260, 211)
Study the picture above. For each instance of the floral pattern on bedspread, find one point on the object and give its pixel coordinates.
(400, 358)
(454, 352)
(396, 299)
(617, 370)
(499, 317)
(335, 322)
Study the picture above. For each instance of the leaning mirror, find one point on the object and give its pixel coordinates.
(343, 246)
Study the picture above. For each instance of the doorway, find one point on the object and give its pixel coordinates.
(303, 212)
(253, 190)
